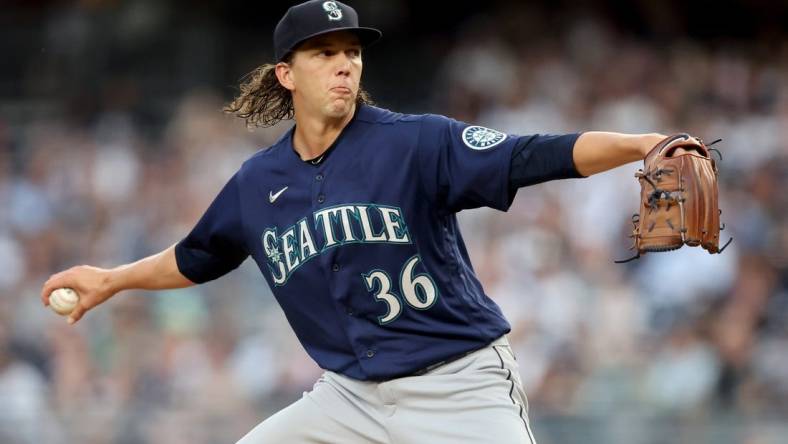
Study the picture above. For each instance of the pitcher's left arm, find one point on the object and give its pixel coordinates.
(597, 151)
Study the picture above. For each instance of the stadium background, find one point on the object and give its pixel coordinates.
(112, 144)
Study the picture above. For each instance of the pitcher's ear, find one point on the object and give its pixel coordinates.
(285, 75)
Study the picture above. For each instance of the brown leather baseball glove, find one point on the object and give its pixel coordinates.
(678, 198)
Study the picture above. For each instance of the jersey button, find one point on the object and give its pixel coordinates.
(321, 198)
(335, 267)
(319, 177)
(370, 353)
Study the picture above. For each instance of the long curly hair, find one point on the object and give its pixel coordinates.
(263, 101)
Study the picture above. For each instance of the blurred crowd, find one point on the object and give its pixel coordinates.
(666, 345)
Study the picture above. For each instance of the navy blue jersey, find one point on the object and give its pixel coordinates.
(362, 249)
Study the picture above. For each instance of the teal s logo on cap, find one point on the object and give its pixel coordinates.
(481, 138)
(317, 17)
(334, 13)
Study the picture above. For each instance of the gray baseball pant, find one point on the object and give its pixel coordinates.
(475, 399)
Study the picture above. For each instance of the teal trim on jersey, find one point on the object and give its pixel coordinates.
(275, 258)
(282, 261)
(376, 292)
(401, 275)
(401, 232)
(324, 220)
(301, 260)
(292, 258)
(315, 250)
(383, 231)
(337, 217)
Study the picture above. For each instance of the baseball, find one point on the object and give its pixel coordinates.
(63, 301)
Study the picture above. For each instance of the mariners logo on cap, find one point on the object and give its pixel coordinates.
(481, 138)
(334, 13)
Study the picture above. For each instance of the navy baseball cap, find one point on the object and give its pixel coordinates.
(317, 17)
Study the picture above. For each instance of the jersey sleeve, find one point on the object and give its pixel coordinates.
(540, 158)
(467, 166)
(215, 246)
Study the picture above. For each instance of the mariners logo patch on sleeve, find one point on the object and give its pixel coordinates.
(481, 138)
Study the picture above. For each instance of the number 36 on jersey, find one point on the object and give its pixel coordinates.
(418, 290)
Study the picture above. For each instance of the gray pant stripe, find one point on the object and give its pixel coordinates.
(511, 391)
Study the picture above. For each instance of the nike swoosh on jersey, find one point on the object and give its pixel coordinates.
(272, 197)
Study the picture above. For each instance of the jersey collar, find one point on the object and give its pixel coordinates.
(321, 159)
